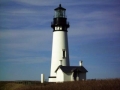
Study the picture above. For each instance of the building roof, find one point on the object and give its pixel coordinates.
(69, 69)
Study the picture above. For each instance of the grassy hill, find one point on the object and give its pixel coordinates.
(111, 84)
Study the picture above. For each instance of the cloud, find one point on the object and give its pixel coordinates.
(25, 43)
(29, 30)
(25, 36)
(64, 2)
(27, 60)
(97, 23)
(38, 2)
(16, 15)
(24, 19)
(90, 2)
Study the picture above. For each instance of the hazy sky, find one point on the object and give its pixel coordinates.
(26, 37)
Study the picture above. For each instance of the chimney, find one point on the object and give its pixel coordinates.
(80, 63)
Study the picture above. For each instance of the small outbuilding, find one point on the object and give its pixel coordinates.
(70, 73)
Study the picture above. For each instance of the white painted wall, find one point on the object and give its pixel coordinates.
(52, 79)
(72, 79)
(60, 76)
(60, 42)
(67, 77)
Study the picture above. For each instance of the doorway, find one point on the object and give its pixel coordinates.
(76, 73)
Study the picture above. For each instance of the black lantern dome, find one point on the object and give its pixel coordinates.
(60, 21)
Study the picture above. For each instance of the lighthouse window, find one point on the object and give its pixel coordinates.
(56, 28)
(64, 53)
(60, 28)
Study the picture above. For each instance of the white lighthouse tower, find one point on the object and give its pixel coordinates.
(60, 51)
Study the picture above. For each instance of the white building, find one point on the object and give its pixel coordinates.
(60, 68)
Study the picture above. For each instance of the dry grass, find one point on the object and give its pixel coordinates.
(113, 84)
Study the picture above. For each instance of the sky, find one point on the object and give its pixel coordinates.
(26, 37)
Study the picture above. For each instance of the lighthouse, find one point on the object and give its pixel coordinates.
(60, 51)
(61, 70)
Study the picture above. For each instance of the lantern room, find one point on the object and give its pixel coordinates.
(60, 12)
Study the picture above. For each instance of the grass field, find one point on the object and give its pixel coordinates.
(108, 84)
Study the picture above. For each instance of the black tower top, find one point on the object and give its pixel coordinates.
(60, 21)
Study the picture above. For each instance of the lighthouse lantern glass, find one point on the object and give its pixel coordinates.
(59, 13)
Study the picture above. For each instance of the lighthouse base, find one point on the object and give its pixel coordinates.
(52, 79)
